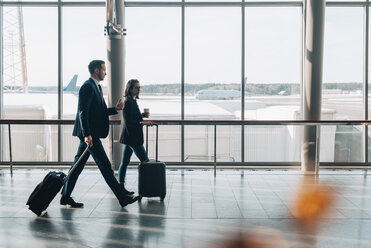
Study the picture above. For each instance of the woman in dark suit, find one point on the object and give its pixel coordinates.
(132, 132)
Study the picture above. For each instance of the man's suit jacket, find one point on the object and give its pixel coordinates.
(92, 112)
(132, 132)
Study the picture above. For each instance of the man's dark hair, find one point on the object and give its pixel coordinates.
(95, 64)
(129, 86)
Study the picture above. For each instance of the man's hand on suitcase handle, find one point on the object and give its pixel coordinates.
(88, 140)
(149, 123)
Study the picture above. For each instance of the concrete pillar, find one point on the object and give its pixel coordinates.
(312, 86)
(115, 75)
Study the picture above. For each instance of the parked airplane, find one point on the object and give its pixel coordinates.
(71, 87)
(218, 94)
(283, 93)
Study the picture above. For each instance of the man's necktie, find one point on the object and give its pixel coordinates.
(101, 92)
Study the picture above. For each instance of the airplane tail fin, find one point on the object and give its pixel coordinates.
(72, 84)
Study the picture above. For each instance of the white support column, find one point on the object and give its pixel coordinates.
(312, 88)
(116, 71)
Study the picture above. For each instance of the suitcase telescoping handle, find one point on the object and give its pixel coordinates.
(75, 165)
(156, 125)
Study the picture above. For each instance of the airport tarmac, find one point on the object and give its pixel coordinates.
(345, 106)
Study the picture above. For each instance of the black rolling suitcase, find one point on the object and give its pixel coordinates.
(152, 175)
(45, 191)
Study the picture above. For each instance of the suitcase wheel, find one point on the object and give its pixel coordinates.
(162, 197)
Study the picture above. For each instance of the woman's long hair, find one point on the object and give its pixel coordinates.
(129, 86)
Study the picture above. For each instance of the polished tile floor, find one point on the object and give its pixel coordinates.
(199, 210)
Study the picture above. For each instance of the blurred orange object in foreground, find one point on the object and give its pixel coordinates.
(311, 203)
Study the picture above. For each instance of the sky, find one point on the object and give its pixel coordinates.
(212, 44)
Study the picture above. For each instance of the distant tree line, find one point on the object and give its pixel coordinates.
(251, 89)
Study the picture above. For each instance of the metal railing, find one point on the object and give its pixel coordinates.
(10, 122)
(214, 123)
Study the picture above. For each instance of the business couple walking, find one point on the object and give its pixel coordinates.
(92, 124)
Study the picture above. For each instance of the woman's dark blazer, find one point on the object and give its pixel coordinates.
(132, 132)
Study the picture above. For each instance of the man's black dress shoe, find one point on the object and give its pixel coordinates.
(127, 192)
(128, 199)
(67, 200)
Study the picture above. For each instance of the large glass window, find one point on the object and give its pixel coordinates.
(342, 89)
(154, 1)
(228, 143)
(169, 143)
(272, 63)
(212, 63)
(214, 1)
(30, 63)
(38, 0)
(80, 46)
(272, 144)
(153, 50)
(348, 145)
(212, 76)
(272, 83)
(4, 142)
(199, 144)
(345, 0)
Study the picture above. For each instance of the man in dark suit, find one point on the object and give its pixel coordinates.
(92, 124)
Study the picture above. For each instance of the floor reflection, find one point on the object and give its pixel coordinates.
(120, 233)
(45, 231)
(199, 211)
(152, 221)
(71, 232)
(137, 230)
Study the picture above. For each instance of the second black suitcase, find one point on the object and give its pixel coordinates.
(152, 175)
(45, 191)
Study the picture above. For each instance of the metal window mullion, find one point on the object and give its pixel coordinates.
(214, 150)
(302, 68)
(10, 150)
(52, 4)
(365, 78)
(182, 77)
(212, 4)
(346, 4)
(60, 80)
(317, 156)
(174, 4)
(243, 80)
